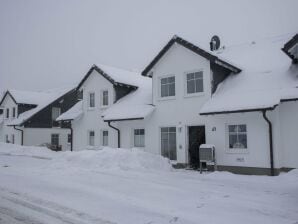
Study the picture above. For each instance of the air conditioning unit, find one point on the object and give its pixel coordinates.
(207, 155)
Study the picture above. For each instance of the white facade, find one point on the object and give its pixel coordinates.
(181, 111)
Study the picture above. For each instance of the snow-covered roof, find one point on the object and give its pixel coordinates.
(45, 98)
(267, 78)
(73, 113)
(136, 105)
(117, 76)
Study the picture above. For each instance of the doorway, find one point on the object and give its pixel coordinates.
(196, 137)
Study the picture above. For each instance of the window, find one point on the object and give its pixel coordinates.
(237, 136)
(139, 137)
(91, 100)
(80, 95)
(56, 111)
(194, 82)
(7, 112)
(168, 143)
(12, 138)
(13, 112)
(69, 138)
(105, 98)
(6, 139)
(91, 138)
(105, 138)
(55, 140)
(167, 86)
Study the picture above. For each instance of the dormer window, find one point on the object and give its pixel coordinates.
(56, 111)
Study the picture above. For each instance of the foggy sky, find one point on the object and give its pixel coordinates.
(46, 44)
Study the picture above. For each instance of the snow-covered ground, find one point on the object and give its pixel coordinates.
(127, 186)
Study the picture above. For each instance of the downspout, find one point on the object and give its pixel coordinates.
(22, 134)
(270, 142)
(118, 131)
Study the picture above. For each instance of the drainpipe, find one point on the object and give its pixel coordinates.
(270, 142)
(22, 134)
(118, 131)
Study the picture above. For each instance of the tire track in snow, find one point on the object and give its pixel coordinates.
(63, 214)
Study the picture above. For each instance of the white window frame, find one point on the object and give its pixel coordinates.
(102, 139)
(159, 87)
(159, 133)
(101, 98)
(186, 94)
(89, 100)
(89, 140)
(236, 150)
(133, 138)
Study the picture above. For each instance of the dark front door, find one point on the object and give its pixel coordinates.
(196, 137)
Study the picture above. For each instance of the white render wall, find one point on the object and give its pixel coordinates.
(182, 110)
(289, 134)
(91, 119)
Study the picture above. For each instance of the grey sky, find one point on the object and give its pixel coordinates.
(44, 44)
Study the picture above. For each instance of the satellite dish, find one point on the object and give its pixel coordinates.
(214, 43)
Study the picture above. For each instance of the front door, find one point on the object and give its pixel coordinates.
(196, 137)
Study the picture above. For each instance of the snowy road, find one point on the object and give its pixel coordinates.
(46, 188)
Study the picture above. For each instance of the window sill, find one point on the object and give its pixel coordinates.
(166, 98)
(90, 108)
(104, 107)
(237, 151)
(188, 95)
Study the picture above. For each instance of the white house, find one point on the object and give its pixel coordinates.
(29, 118)
(241, 98)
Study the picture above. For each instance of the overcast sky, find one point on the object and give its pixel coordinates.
(45, 44)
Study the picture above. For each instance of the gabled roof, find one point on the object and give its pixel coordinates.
(204, 53)
(23, 97)
(46, 98)
(268, 78)
(289, 45)
(116, 76)
(73, 113)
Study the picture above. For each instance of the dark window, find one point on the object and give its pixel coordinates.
(237, 136)
(168, 143)
(56, 111)
(194, 82)
(14, 112)
(80, 95)
(12, 138)
(91, 100)
(91, 138)
(167, 86)
(105, 98)
(139, 137)
(105, 138)
(69, 138)
(6, 139)
(55, 140)
(7, 112)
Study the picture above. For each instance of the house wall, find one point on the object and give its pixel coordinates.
(91, 119)
(289, 134)
(182, 110)
(38, 136)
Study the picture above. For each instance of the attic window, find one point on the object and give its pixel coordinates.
(105, 98)
(194, 82)
(91, 100)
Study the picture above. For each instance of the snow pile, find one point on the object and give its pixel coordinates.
(113, 159)
(30, 151)
(73, 113)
